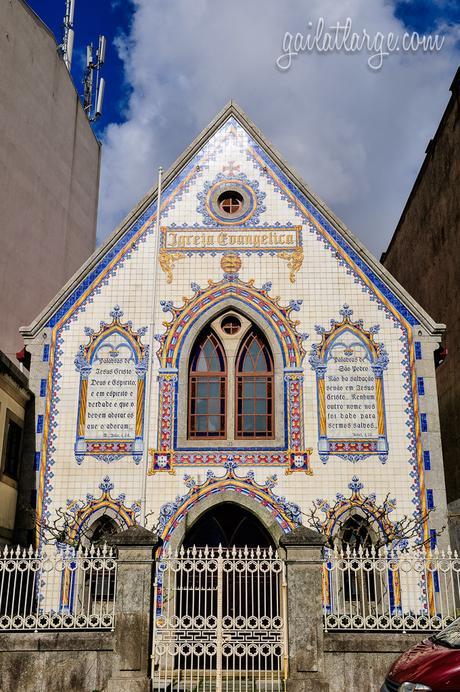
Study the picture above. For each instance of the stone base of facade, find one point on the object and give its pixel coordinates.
(129, 685)
(82, 662)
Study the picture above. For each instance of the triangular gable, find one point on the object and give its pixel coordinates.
(141, 221)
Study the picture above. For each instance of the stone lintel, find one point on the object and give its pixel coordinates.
(134, 536)
(302, 536)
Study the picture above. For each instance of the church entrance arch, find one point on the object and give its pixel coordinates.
(228, 524)
(220, 604)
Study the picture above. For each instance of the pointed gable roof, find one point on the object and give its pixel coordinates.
(383, 280)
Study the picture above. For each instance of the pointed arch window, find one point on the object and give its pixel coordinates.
(254, 389)
(356, 534)
(207, 388)
(358, 583)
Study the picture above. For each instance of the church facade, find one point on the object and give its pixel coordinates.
(242, 345)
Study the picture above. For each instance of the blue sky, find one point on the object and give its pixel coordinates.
(356, 135)
(426, 15)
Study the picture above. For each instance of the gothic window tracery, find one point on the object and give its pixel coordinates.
(232, 372)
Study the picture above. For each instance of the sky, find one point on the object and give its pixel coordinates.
(356, 134)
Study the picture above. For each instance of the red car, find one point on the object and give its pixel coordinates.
(431, 666)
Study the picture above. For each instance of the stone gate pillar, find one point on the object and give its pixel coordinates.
(133, 610)
(304, 610)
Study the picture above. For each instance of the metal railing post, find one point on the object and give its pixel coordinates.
(219, 632)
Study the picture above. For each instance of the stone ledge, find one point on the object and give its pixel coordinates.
(302, 536)
(134, 536)
(56, 641)
(371, 642)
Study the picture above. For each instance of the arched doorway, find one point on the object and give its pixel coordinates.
(220, 621)
(228, 524)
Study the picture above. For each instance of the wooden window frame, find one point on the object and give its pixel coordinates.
(194, 376)
(227, 199)
(267, 375)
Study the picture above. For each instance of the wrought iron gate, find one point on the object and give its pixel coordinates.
(219, 623)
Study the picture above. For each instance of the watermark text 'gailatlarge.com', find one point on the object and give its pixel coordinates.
(340, 37)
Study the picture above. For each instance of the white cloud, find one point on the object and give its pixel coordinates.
(357, 136)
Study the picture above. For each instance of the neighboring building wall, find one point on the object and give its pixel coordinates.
(14, 398)
(49, 172)
(424, 255)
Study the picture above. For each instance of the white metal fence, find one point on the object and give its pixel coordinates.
(59, 589)
(384, 589)
(219, 621)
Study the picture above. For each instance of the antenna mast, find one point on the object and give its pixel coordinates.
(66, 46)
(93, 84)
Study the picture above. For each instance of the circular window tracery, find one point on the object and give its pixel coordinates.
(230, 202)
(230, 324)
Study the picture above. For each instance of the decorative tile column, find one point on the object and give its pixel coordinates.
(133, 609)
(304, 610)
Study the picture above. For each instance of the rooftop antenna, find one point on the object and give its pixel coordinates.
(66, 46)
(93, 84)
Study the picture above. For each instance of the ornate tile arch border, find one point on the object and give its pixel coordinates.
(294, 455)
(82, 512)
(286, 514)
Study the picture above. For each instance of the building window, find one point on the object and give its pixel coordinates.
(359, 583)
(100, 583)
(13, 449)
(230, 202)
(355, 533)
(207, 388)
(254, 388)
(231, 384)
(230, 324)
